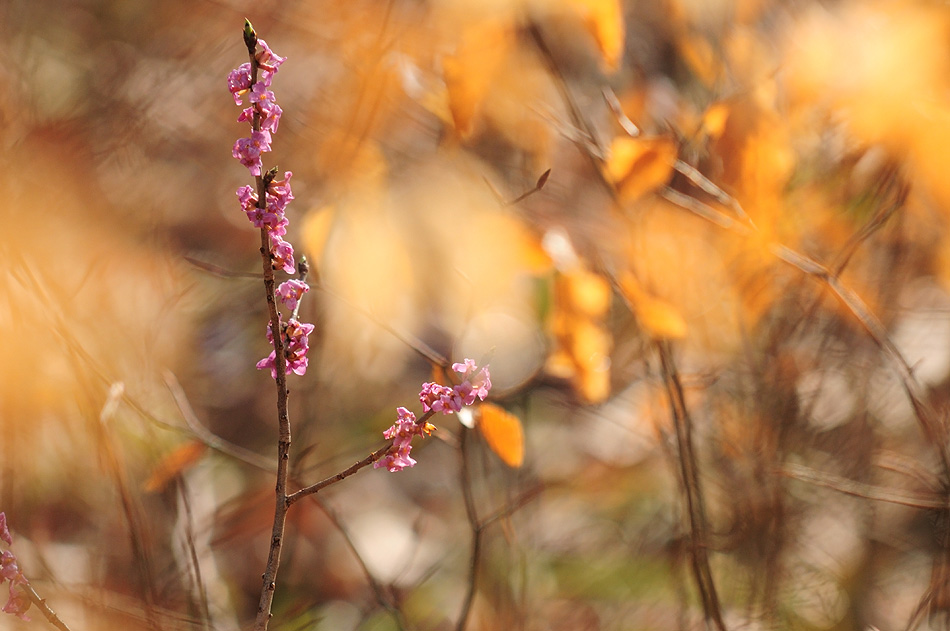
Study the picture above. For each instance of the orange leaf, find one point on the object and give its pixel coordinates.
(173, 464)
(658, 318)
(503, 433)
(469, 73)
(640, 165)
(604, 20)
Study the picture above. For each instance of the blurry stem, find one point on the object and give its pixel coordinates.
(386, 601)
(137, 539)
(40, 604)
(694, 495)
(269, 579)
(477, 529)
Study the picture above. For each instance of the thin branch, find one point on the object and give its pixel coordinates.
(689, 471)
(339, 477)
(384, 599)
(477, 529)
(859, 489)
(40, 603)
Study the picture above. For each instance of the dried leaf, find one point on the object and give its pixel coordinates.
(657, 317)
(176, 462)
(503, 433)
(469, 73)
(604, 20)
(640, 165)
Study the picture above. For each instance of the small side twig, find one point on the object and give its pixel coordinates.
(40, 603)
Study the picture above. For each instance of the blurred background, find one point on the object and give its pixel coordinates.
(722, 323)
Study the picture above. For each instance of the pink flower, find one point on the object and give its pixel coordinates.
(279, 193)
(239, 81)
(282, 253)
(472, 388)
(248, 150)
(9, 569)
(290, 291)
(439, 398)
(4, 531)
(266, 104)
(18, 603)
(401, 433)
(268, 62)
(296, 345)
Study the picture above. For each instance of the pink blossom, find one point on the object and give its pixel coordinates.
(9, 569)
(4, 531)
(290, 291)
(402, 433)
(248, 150)
(282, 253)
(296, 345)
(472, 388)
(279, 193)
(439, 398)
(266, 104)
(18, 603)
(268, 62)
(239, 81)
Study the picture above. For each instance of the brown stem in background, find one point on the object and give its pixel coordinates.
(689, 470)
(477, 530)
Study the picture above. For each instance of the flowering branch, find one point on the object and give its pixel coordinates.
(265, 206)
(22, 593)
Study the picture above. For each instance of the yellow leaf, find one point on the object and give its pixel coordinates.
(640, 165)
(604, 20)
(316, 231)
(469, 73)
(173, 464)
(658, 318)
(503, 433)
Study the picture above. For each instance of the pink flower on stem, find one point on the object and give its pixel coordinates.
(239, 82)
(266, 104)
(439, 398)
(296, 345)
(290, 291)
(435, 398)
(401, 433)
(472, 387)
(4, 531)
(248, 150)
(268, 62)
(282, 253)
(18, 603)
(279, 193)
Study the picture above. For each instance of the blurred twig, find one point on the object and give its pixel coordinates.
(477, 529)
(689, 471)
(40, 604)
(860, 489)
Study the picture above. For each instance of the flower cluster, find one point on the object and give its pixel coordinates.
(401, 433)
(296, 345)
(446, 400)
(18, 602)
(253, 80)
(435, 398)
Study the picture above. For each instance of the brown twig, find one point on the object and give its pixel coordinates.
(689, 472)
(385, 600)
(477, 529)
(40, 603)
